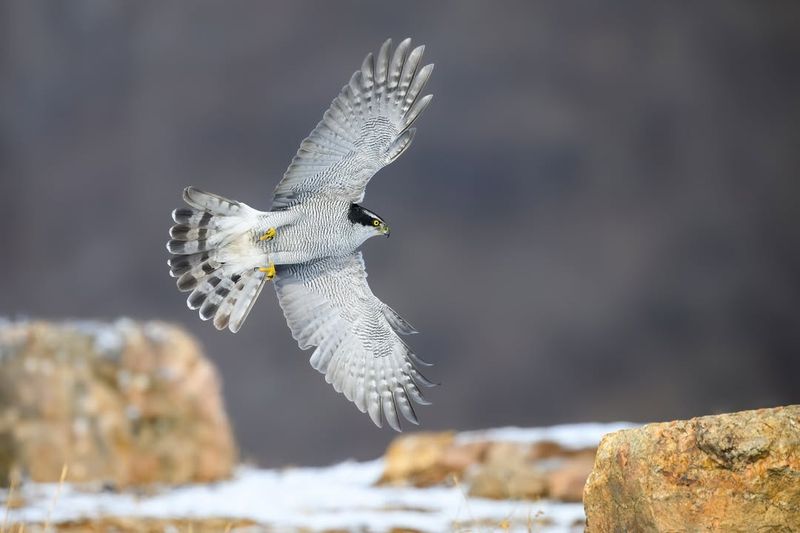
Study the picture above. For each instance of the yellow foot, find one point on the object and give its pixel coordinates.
(268, 235)
(268, 270)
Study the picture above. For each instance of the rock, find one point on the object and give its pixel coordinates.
(508, 475)
(124, 403)
(495, 470)
(565, 482)
(732, 472)
(504, 483)
(547, 449)
(460, 457)
(418, 459)
(532, 471)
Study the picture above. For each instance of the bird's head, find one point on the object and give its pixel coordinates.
(367, 222)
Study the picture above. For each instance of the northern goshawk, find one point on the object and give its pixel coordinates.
(225, 251)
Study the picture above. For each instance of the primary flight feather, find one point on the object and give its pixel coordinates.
(224, 251)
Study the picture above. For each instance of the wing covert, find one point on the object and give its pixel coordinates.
(328, 304)
(365, 128)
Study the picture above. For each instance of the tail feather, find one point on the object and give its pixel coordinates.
(227, 299)
(191, 217)
(227, 302)
(213, 203)
(212, 221)
(200, 293)
(180, 264)
(185, 232)
(189, 279)
(213, 258)
(177, 247)
(253, 282)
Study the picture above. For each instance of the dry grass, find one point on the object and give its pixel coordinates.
(10, 496)
(61, 479)
(145, 525)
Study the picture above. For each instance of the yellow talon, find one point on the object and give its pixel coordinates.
(268, 235)
(268, 270)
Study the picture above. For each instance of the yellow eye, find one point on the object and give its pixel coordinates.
(376, 223)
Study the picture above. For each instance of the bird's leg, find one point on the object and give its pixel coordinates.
(268, 235)
(268, 270)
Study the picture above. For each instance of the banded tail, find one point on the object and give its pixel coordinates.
(216, 258)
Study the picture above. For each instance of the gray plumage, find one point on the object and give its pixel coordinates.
(224, 250)
(328, 304)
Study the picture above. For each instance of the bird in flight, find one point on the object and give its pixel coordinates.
(225, 251)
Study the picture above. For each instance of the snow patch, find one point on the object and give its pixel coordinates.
(570, 436)
(342, 497)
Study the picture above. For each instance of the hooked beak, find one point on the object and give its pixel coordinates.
(385, 230)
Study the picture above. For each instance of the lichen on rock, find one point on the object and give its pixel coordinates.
(731, 472)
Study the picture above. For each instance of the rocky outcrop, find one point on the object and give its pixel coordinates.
(124, 403)
(421, 460)
(732, 472)
(489, 469)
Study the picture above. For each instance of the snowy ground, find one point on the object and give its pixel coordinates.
(340, 497)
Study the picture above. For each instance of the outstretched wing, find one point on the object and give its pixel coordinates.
(366, 127)
(328, 304)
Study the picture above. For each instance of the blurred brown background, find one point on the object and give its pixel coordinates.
(598, 219)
